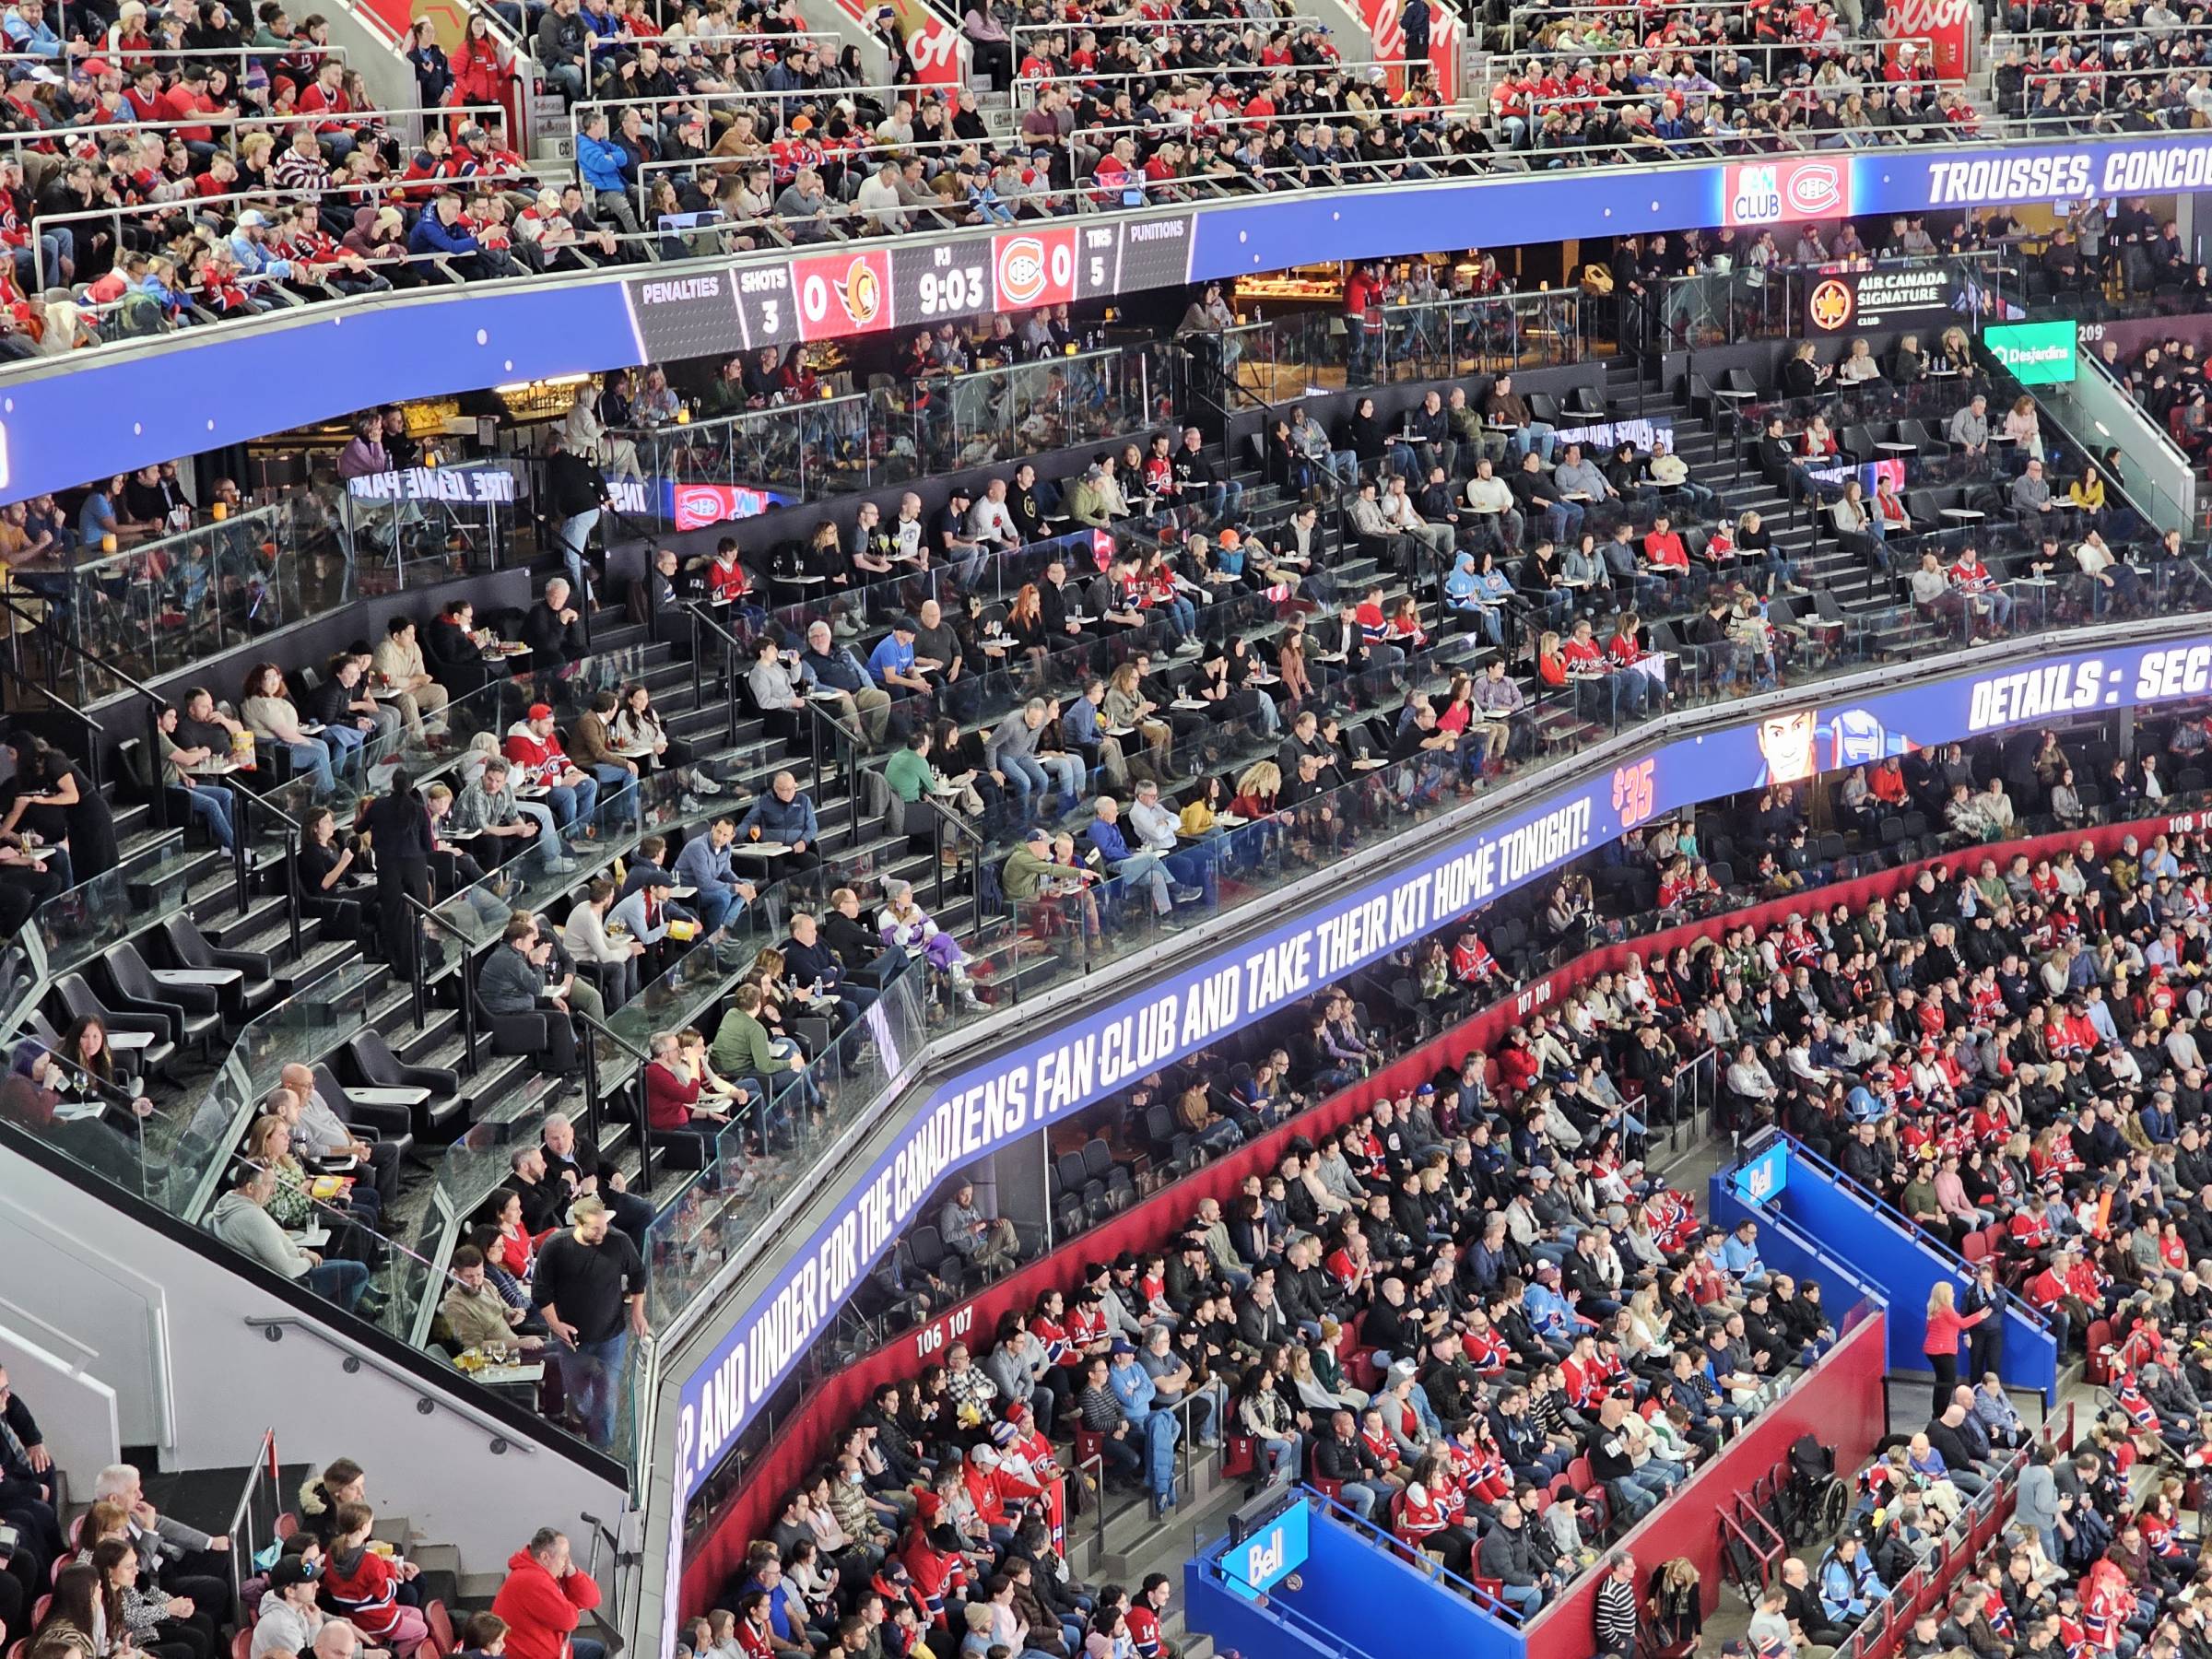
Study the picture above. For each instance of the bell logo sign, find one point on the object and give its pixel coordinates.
(1265, 1560)
(1269, 1556)
(1772, 192)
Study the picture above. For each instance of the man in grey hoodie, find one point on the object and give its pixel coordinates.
(241, 1219)
(288, 1619)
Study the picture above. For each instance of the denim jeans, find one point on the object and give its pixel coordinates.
(575, 534)
(313, 758)
(612, 780)
(1525, 1599)
(1535, 435)
(341, 1282)
(574, 803)
(591, 1374)
(211, 803)
(1025, 776)
(345, 743)
(713, 904)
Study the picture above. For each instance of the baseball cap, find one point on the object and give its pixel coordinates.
(540, 712)
(1120, 1348)
(292, 1571)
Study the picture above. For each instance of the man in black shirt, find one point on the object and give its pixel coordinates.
(543, 1197)
(949, 537)
(1028, 505)
(812, 966)
(590, 1289)
(1199, 481)
(575, 1169)
(859, 949)
(1054, 602)
(553, 631)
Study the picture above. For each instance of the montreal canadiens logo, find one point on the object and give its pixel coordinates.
(1815, 189)
(860, 292)
(699, 506)
(1021, 274)
(1831, 304)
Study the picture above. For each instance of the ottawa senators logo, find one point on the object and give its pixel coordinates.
(860, 292)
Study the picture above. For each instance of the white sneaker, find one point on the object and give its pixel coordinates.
(703, 784)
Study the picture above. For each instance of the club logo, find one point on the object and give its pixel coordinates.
(1767, 193)
(701, 505)
(1831, 305)
(1813, 188)
(1021, 271)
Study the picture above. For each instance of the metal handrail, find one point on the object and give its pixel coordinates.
(732, 645)
(1362, 71)
(25, 1314)
(591, 1076)
(62, 705)
(1483, 1600)
(1457, 174)
(678, 51)
(1510, 61)
(503, 1439)
(1888, 1211)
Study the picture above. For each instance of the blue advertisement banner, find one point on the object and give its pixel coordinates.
(1270, 1555)
(1762, 1176)
(110, 412)
(1037, 1083)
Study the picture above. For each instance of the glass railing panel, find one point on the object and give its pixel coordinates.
(153, 604)
(337, 1009)
(426, 524)
(743, 1169)
(79, 924)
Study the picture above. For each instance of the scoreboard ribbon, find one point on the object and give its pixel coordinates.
(861, 290)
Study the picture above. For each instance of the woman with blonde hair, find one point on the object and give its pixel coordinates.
(2021, 427)
(1946, 1325)
(1126, 707)
(1258, 787)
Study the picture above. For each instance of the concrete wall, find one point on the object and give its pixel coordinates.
(76, 1410)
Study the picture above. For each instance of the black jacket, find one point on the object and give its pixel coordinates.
(551, 642)
(574, 484)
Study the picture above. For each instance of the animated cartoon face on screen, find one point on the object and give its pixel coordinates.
(1786, 743)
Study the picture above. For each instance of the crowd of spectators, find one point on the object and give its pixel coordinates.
(2168, 379)
(2009, 1055)
(255, 181)
(1688, 86)
(275, 178)
(1469, 1314)
(123, 1578)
